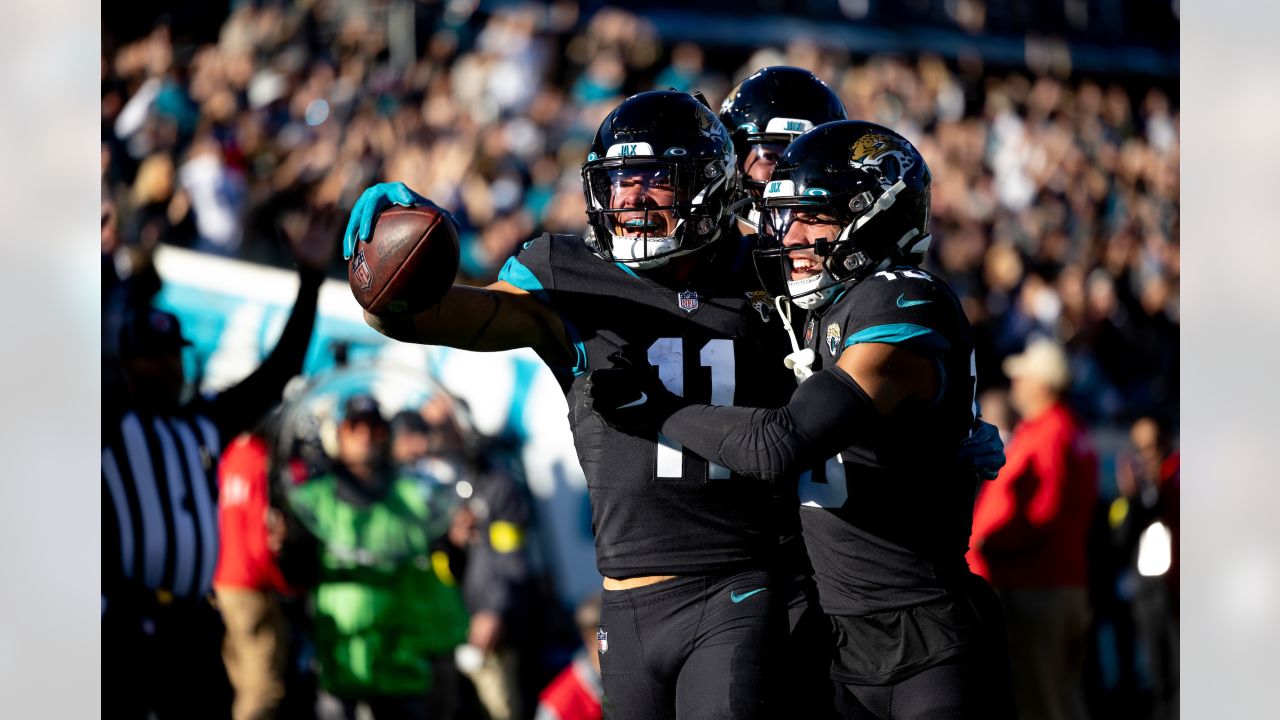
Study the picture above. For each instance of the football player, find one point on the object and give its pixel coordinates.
(875, 428)
(693, 616)
(763, 114)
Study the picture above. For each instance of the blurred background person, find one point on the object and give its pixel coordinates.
(490, 531)
(1030, 530)
(1145, 523)
(161, 633)
(266, 628)
(248, 579)
(381, 610)
(575, 694)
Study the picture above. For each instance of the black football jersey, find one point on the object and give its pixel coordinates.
(656, 508)
(887, 522)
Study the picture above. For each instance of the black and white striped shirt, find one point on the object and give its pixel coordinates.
(159, 471)
(159, 496)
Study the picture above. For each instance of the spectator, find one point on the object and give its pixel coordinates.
(381, 611)
(1030, 532)
(1145, 521)
(495, 578)
(248, 579)
(161, 634)
(575, 693)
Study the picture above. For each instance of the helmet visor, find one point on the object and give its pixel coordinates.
(758, 164)
(796, 243)
(637, 201)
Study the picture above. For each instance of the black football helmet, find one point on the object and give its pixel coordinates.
(869, 183)
(767, 111)
(658, 180)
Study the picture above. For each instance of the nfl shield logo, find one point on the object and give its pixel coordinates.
(361, 273)
(602, 640)
(688, 300)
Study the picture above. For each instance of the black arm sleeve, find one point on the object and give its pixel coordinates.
(237, 408)
(825, 413)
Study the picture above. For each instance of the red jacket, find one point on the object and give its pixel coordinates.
(574, 694)
(244, 561)
(1030, 524)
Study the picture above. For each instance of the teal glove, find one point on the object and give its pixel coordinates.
(373, 201)
(984, 450)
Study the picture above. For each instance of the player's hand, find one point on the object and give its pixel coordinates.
(485, 630)
(629, 396)
(373, 201)
(984, 450)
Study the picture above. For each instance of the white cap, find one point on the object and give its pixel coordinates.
(1043, 360)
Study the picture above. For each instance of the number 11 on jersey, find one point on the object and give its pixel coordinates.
(667, 354)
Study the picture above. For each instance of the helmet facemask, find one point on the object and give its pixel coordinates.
(644, 211)
(834, 242)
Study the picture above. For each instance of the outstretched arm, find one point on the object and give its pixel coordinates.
(498, 317)
(237, 408)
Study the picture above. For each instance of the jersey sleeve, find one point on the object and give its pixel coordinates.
(905, 307)
(532, 270)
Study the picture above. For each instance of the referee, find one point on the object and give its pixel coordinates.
(161, 634)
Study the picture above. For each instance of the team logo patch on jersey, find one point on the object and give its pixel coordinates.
(688, 300)
(833, 338)
(808, 331)
(759, 300)
(602, 640)
(361, 272)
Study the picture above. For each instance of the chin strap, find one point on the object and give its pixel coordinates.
(799, 361)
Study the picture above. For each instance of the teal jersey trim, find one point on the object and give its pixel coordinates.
(915, 337)
(522, 277)
(627, 270)
(579, 349)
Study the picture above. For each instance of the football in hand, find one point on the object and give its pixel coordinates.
(408, 264)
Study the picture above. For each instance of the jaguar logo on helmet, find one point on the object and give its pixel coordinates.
(890, 155)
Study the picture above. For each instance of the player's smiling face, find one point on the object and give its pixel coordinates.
(806, 229)
(641, 190)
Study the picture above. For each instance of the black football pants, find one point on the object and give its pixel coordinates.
(694, 648)
(806, 676)
(974, 685)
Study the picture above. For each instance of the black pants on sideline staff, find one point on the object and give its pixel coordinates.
(163, 657)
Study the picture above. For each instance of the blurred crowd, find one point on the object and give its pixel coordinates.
(1055, 196)
(1055, 200)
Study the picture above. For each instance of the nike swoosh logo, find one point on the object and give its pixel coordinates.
(643, 399)
(735, 597)
(903, 302)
